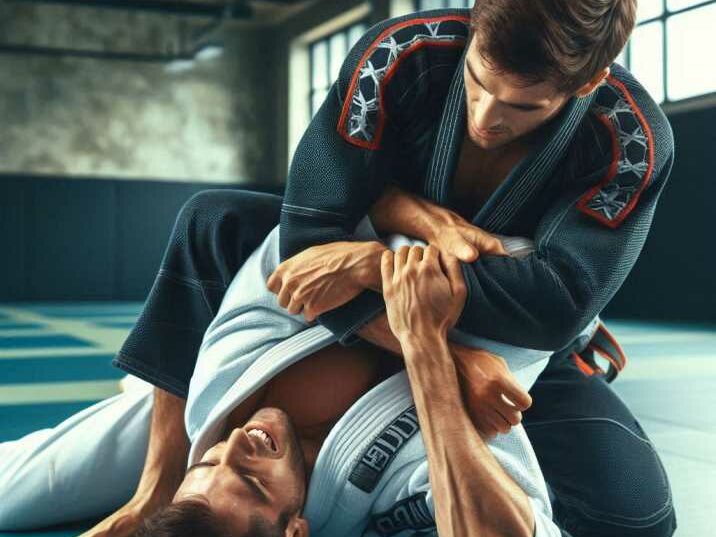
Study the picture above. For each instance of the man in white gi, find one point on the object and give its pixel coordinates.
(358, 485)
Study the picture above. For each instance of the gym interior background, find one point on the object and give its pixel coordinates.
(115, 112)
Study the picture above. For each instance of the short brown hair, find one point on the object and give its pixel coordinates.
(566, 42)
(193, 518)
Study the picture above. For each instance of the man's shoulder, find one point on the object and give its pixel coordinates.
(629, 138)
(390, 61)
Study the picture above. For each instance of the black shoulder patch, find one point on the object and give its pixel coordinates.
(367, 472)
(611, 201)
(363, 117)
(409, 514)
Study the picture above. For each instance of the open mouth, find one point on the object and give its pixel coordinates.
(263, 435)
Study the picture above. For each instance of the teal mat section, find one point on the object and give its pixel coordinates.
(52, 369)
(19, 420)
(669, 383)
(4, 325)
(41, 342)
(115, 324)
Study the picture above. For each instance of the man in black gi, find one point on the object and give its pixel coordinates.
(509, 119)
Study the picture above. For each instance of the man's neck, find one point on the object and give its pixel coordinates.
(316, 391)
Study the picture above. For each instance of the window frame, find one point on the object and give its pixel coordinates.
(666, 14)
(707, 98)
(326, 39)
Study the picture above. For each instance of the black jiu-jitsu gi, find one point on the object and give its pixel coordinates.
(586, 193)
(586, 196)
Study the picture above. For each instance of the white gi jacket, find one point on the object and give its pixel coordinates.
(371, 476)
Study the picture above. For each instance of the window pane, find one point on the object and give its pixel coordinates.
(355, 33)
(647, 58)
(648, 9)
(691, 43)
(621, 59)
(432, 4)
(675, 5)
(455, 3)
(338, 48)
(319, 65)
(317, 100)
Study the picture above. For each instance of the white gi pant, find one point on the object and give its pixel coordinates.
(86, 466)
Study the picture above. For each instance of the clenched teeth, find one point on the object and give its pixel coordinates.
(264, 437)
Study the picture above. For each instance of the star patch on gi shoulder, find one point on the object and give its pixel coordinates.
(632, 156)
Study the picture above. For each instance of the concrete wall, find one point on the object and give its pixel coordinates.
(92, 117)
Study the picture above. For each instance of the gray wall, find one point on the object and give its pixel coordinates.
(91, 117)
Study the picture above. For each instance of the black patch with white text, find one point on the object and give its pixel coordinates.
(383, 450)
(408, 514)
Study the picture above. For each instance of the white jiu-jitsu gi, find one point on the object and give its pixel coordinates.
(371, 474)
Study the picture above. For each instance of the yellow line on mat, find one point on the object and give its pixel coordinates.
(57, 392)
(50, 352)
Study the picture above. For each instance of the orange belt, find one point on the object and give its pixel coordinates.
(604, 345)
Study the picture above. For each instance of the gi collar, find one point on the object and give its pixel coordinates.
(552, 142)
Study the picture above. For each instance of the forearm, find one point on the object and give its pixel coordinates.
(399, 212)
(168, 449)
(378, 333)
(462, 468)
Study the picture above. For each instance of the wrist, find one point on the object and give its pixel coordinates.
(366, 273)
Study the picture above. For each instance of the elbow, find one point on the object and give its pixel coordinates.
(559, 332)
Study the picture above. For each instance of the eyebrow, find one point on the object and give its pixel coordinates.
(521, 106)
(198, 465)
(249, 482)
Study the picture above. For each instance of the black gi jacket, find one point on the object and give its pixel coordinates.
(586, 194)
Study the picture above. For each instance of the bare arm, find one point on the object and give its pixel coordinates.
(473, 494)
(163, 471)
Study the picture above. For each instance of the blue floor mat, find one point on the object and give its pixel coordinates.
(53, 369)
(18, 420)
(670, 385)
(42, 341)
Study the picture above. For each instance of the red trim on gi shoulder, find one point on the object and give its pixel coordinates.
(345, 113)
(582, 205)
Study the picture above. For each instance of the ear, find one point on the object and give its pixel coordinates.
(593, 84)
(297, 527)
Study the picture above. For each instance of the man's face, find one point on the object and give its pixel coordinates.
(500, 107)
(249, 475)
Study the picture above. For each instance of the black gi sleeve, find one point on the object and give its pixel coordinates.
(585, 246)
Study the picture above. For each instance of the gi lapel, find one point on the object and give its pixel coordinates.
(524, 178)
(449, 138)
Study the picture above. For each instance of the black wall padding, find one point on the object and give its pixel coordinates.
(84, 239)
(73, 239)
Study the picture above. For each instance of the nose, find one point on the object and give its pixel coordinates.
(486, 113)
(238, 446)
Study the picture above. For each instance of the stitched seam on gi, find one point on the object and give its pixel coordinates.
(457, 95)
(290, 208)
(587, 420)
(197, 284)
(193, 282)
(512, 202)
(435, 171)
(552, 228)
(624, 522)
(436, 155)
(497, 218)
(442, 184)
(556, 148)
(443, 147)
